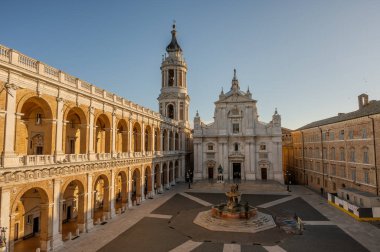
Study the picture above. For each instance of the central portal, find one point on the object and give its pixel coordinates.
(236, 171)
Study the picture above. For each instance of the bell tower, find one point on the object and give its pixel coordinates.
(173, 99)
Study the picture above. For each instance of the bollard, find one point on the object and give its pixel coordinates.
(98, 221)
(69, 236)
(119, 211)
(103, 217)
(38, 249)
(77, 232)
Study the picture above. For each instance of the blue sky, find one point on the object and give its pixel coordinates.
(310, 59)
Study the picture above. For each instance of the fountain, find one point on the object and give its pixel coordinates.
(234, 217)
(233, 209)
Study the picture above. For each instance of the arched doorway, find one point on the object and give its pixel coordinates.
(157, 178)
(75, 130)
(170, 111)
(101, 198)
(121, 197)
(122, 137)
(136, 141)
(157, 141)
(171, 172)
(148, 138)
(34, 129)
(171, 140)
(176, 170)
(102, 135)
(165, 174)
(136, 186)
(30, 225)
(72, 208)
(264, 173)
(148, 182)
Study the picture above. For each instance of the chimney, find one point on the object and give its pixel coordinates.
(363, 100)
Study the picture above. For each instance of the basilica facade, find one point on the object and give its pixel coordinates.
(237, 143)
(74, 155)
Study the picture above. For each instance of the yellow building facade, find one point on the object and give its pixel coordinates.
(341, 151)
(75, 155)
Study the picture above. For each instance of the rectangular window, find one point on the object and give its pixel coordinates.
(323, 136)
(364, 133)
(365, 157)
(263, 147)
(351, 134)
(210, 147)
(332, 136)
(343, 171)
(342, 155)
(324, 153)
(332, 154)
(366, 176)
(353, 174)
(341, 135)
(352, 156)
(235, 128)
(333, 170)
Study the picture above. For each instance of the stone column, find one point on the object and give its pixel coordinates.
(129, 184)
(90, 211)
(168, 140)
(142, 183)
(167, 176)
(152, 180)
(113, 132)
(6, 212)
(59, 130)
(56, 236)
(183, 169)
(91, 155)
(9, 156)
(153, 141)
(143, 137)
(161, 142)
(46, 230)
(130, 134)
(161, 180)
(112, 194)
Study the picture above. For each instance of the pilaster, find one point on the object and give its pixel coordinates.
(56, 236)
(91, 154)
(113, 132)
(9, 156)
(89, 211)
(112, 194)
(59, 130)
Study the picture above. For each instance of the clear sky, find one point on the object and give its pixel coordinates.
(310, 59)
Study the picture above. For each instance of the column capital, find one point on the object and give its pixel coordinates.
(59, 99)
(11, 86)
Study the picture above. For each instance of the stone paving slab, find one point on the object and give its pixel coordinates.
(209, 247)
(103, 234)
(366, 234)
(183, 223)
(187, 246)
(322, 238)
(147, 235)
(253, 199)
(175, 205)
(297, 206)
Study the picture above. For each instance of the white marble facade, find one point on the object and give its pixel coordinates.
(244, 147)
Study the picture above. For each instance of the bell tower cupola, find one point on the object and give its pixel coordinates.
(173, 99)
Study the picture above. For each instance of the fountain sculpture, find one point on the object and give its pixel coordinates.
(233, 209)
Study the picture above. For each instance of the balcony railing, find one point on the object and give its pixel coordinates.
(30, 160)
